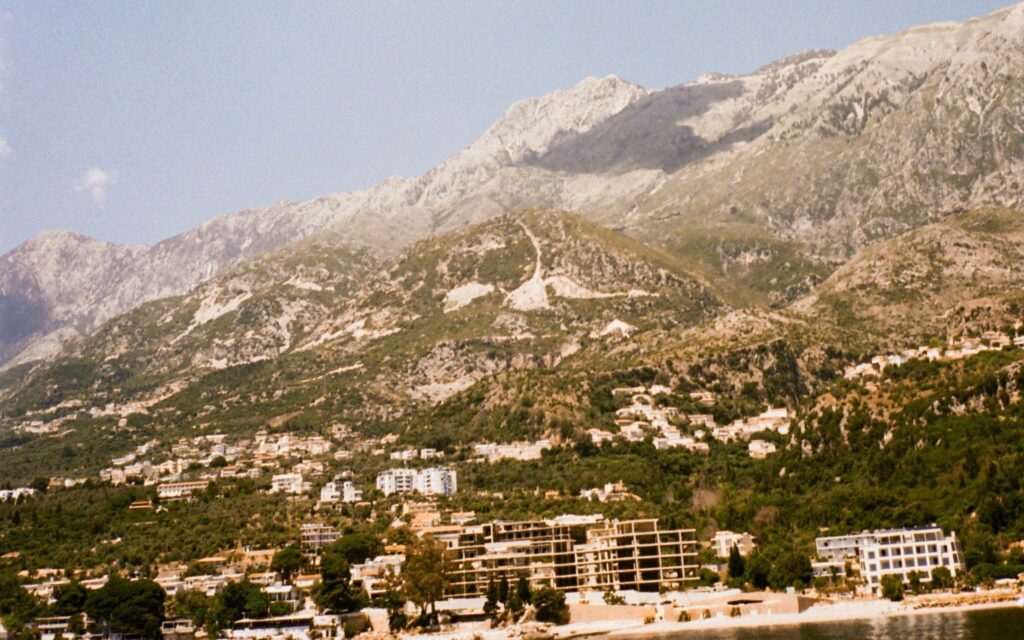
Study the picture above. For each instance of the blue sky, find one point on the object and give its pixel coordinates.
(133, 121)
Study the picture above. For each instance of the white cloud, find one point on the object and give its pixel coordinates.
(95, 182)
(5, 148)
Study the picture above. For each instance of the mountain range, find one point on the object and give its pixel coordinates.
(747, 234)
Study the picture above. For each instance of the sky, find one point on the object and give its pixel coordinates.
(134, 121)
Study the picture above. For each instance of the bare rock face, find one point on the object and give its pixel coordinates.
(61, 280)
(769, 180)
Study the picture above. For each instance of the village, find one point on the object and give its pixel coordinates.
(598, 574)
(583, 572)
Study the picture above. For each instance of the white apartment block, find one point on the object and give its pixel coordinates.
(340, 491)
(901, 552)
(433, 481)
(179, 490)
(724, 541)
(842, 547)
(291, 483)
(396, 481)
(898, 552)
(437, 481)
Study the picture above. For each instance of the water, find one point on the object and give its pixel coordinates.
(986, 624)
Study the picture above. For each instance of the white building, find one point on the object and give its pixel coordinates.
(724, 541)
(396, 481)
(179, 490)
(898, 552)
(429, 482)
(291, 483)
(14, 494)
(513, 450)
(842, 547)
(437, 481)
(760, 449)
(314, 535)
(340, 491)
(901, 552)
(373, 574)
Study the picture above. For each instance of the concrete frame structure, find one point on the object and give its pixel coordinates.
(571, 554)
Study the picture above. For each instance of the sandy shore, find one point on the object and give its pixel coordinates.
(838, 612)
(819, 613)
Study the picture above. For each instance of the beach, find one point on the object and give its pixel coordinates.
(820, 612)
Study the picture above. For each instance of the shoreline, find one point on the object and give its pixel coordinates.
(817, 614)
(824, 613)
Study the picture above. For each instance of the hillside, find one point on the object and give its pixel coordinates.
(338, 335)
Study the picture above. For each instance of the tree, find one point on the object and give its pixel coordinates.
(197, 607)
(942, 578)
(914, 582)
(892, 588)
(133, 608)
(70, 599)
(503, 590)
(737, 566)
(426, 574)
(288, 561)
(357, 547)
(17, 606)
(393, 601)
(791, 570)
(240, 600)
(335, 591)
(491, 600)
(523, 590)
(757, 570)
(550, 605)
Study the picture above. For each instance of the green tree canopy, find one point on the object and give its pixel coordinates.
(550, 605)
(737, 566)
(133, 608)
(426, 573)
(288, 561)
(335, 591)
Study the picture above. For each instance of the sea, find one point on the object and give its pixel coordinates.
(984, 624)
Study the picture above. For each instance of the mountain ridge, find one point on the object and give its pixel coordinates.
(765, 181)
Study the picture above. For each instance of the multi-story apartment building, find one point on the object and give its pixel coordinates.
(901, 552)
(571, 553)
(842, 547)
(292, 483)
(315, 536)
(340, 491)
(437, 481)
(898, 552)
(434, 481)
(397, 480)
(180, 490)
